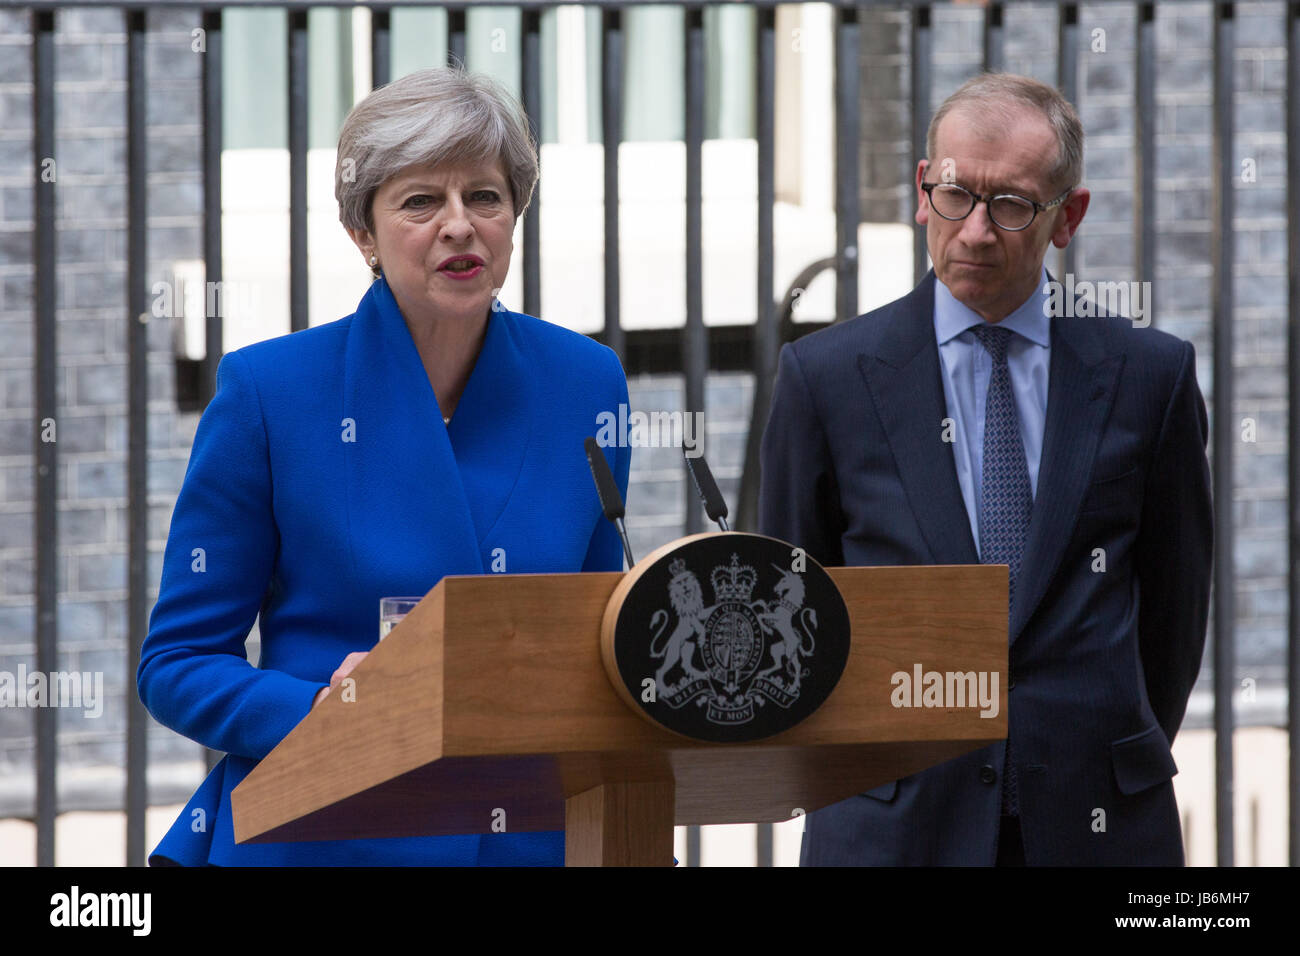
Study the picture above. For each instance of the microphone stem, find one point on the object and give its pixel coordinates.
(627, 547)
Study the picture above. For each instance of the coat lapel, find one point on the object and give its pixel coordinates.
(903, 379)
(409, 513)
(1080, 392)
(493, 424)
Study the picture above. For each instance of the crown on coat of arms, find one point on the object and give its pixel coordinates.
(734, 583)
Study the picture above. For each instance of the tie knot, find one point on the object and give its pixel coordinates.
(994, 340)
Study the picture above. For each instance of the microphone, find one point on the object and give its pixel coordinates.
(715, 506)
(611, 502)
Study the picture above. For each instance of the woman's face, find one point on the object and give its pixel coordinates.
(443, 236)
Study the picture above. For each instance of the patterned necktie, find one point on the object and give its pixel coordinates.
(1007, 499)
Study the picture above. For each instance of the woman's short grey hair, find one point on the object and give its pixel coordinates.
(431, 117)
(994, 98)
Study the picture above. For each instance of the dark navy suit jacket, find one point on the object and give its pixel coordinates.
(321, 479)
(856, 471)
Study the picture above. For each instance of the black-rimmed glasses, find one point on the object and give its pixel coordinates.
(1008, 211)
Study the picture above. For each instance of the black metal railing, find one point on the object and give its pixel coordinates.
(692, 348)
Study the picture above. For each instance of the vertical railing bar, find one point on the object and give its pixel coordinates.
(530, 69)
(848, 173)
(611, 111)
(298, 288)
(46, 397)
(381, 46)
(456, 36)
(1221, 257)
(1144, 145)
(994, 50)
(920, 94)
(1293, 427)
(213, 135)
(767, 336)
(695, 343)
(1067, 81)
(137, 264)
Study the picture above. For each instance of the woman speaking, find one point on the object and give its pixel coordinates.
(431, 432)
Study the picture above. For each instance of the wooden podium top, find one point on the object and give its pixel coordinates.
(489, 702)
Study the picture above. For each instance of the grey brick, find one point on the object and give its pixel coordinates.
(96, 290)
(160, 517)
(81, 245)
(100, 385)
(16, 626)
(1181, 206)
(83, 433)
(171, 57)
(175, 153)
(1179, 160)
(100, 479)
(81, 337)
(1258, 29)
(166, 475)
(90, 109)
(1256, 112)
(1182, 293)
(16, 529)
(101, 572)
(176, 199)
(1193, 119)
(87, 623)
(83, 526)
(1257, 201)
(1106, 72)
(91, 202)
(1185, 73)
(1252, 291)
(1193, 29)
(16, 436)
(16, 63)
(15, 245)
(16, 388)
(15, 110)
(79, 62)
(17, 576)
(75, 21)
(1108, 162)
(1175, 249)
(180, 107)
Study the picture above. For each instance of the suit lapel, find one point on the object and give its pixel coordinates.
(410, 516)
(903, 378)
(1080, 392)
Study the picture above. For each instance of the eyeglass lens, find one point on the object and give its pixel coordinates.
(954, 202)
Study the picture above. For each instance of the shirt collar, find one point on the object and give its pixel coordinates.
(952, 318)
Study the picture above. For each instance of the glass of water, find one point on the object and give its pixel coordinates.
(392, 610)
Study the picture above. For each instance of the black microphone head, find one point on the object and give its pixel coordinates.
(611, 502)
(715, 506)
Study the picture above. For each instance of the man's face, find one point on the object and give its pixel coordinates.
(988, 269)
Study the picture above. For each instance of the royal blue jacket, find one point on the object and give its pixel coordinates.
(321, 479)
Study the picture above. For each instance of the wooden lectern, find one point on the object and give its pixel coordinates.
(488, 708)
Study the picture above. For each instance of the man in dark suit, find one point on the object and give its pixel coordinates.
(977, 419)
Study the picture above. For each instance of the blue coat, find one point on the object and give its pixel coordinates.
(321, 479)
(1102, 659)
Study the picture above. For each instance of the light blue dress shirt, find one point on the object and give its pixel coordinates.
(967, 368)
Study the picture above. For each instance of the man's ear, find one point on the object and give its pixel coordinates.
(922, 203)
(1072, 212)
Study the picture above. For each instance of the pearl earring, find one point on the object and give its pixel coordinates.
(374, 261)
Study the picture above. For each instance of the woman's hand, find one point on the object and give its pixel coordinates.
(343, 670)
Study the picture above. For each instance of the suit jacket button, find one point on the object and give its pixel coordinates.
(1011, 682)
(988, 774)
